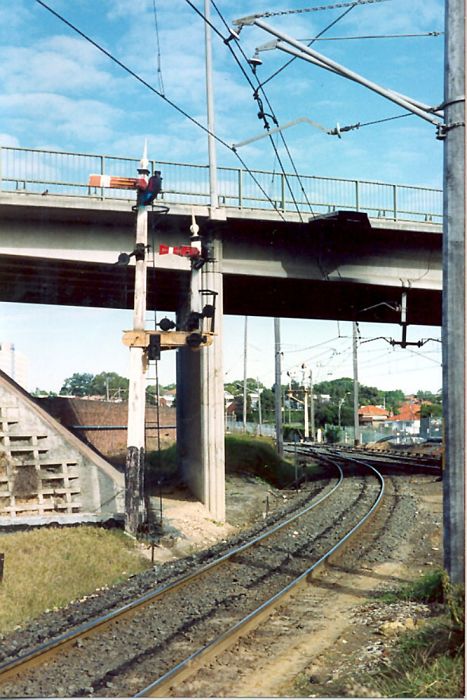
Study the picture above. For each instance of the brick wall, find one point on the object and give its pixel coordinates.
(113, 416)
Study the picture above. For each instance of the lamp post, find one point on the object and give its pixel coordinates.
(339, 407)
(341, 401)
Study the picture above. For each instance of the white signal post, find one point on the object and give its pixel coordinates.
(134, 472)
(134, 484)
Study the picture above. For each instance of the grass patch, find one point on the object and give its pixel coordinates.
(48, 567)
(161, 465)
(430, 661)
(427, 589)
(257, 456)
(426, 664)
(243, 455)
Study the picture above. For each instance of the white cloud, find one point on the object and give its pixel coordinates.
(59, 64)
(9, 140)
(45, 113)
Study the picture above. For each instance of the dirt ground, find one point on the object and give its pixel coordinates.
(188, 526)
(321, 642)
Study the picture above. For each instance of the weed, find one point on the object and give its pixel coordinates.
(427, 589)
(424, 664)
(430, 661)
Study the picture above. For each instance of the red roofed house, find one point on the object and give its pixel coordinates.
(372, 416)
(408, 418)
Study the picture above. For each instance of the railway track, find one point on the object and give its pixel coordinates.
(398, 460)
(150, 644)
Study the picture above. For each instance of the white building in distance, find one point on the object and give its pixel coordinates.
(14, 364)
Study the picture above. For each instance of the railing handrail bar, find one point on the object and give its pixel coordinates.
(224, 168)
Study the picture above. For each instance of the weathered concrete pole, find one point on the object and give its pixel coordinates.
(200, 374)
(200, 403)
(212, 397)
(278, 387)
(355, 385)
(134, 468)
(454, 397)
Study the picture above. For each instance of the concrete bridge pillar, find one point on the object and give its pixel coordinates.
(200, 405)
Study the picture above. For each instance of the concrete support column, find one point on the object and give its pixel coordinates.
(200, 407)
(454, 293)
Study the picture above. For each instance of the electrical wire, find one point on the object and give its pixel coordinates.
(163, 97)
(227, 42)
(132, 73)
(335, 6)
(374, 36)
(323, 31)
(158, 49)
(263, 115)
(380, 121)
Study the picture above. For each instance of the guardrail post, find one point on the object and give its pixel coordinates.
(357, 196)
(282, 191)
(394, 201)
(240, 188)
(102, 159)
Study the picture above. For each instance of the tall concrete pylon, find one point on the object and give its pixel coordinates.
(454, 292)
(200, 404)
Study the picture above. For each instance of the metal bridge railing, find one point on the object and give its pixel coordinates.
(38, 171)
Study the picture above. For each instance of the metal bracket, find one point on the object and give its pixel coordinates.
(442, 129)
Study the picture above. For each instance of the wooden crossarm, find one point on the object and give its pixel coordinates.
(169, 340)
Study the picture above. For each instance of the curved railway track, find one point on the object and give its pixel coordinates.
(399, 460)
(149, 644)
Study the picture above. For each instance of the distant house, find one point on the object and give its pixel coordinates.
(408, 418)
(372, 416)
(168, 397)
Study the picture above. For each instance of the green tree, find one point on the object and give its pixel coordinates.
(433, 410)
(79, 384)
(429, 396)
(267, 404)
(393, 400)
(110, 384)
(43, 392)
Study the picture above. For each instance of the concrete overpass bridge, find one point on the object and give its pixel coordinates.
(59, 240)
(321, 248)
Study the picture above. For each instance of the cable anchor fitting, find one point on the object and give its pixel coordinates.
(442, 129)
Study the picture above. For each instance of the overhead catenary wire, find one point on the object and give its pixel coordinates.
(374, 36)
(266, 124)
(158, 49)
(170, 102)
(261, 113)
(319, 8)
(323, 31)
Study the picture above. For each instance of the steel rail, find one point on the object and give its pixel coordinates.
(396, 460)
(192, 663)
(53, 646)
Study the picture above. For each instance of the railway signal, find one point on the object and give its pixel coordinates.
(146, 345)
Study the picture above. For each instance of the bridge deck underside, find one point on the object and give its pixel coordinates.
(69, 283)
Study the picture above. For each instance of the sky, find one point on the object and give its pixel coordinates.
(60, 93)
